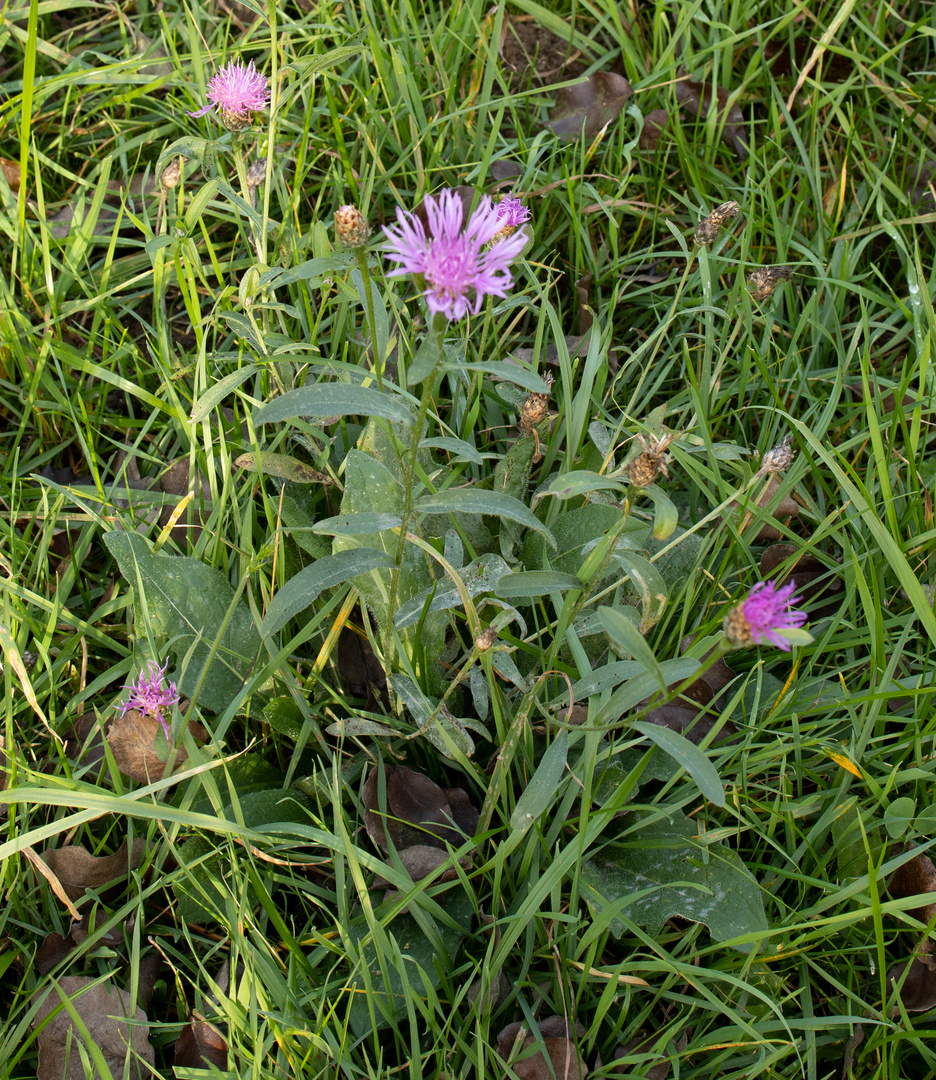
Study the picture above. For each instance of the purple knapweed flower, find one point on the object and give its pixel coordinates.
(149, 696)
(237, 90)
(763, 616)
(454, 264)
(512, 212)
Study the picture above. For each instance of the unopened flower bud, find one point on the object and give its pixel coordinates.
(779, 459)
(351, 227)
(256, 174)
(764, 280)
(535, 409)
(708, 228)
(172, 173)
(486, 639)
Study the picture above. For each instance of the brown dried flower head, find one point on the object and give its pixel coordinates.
(172, 173)
(535, 409)
(645, 468)
(779, 458)
(486, 639)
(256, 173)
(708, 228)
(765, 279)
(351, 227)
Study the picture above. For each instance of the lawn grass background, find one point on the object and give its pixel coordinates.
(119, 322)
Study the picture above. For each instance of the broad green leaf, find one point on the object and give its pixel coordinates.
(479, 576)
(424, 362)
(407, 964)
(359, 725)
(307, 271)
(478, 501)
(572, 485)
(308, 584)
(643, 686)
(213, 397)
(458, 447)
(689, 756)
(898, 815)
(507, 372)
(186, 603)
(665, 514)
(543, 788)
(623, 631)
(281, 465)
(647, 584)
(664, 872)
(332, 399)
(444, 731)
(536, 583)
(356, 524)
(284, 715)
(512, 475)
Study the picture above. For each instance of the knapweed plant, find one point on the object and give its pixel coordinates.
(467, 527)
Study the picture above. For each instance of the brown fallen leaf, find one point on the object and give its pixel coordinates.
(361, 673)
(654, 125)
(918, 975)
(561, 1061)
(418, 811)
(132, 739)
(785, 510)
(421, 861)
(582, 110)
(814, 580)
(529, 50)
(198, 1046)
(11, 173)
(696, 99)
(77, 869)
(56, 948)
(106, 1014)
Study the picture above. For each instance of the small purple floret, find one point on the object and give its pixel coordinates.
(149, 696)
(512, 212)
(237, 89)
(769, 609)
(454, 264)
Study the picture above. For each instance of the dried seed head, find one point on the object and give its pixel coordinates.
(172, 173)
(535, 409)
(351, 227)
(763, 281)
(645, 468)
(737, 629)
(256, 174)
(708, 228)
(486, 639)
(779, 459)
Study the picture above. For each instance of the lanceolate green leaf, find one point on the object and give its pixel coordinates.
(692, 759)
(301, 590)
(332, 399)
(478, 501)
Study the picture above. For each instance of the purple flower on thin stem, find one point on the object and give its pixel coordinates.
(512, 212)
(763, 616)
(149, 696)
(453, 263)
(237, 90)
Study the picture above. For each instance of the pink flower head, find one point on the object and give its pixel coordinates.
(454, 263)
(763, 615)
(237, 90)
(512, 212)
(149, 696)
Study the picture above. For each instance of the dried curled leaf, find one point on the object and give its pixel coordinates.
(199, 1045)
(654, 125)
(132, 739)
(587, 107)
(787, 509)
(56, 948)
(419, 812)
(918, 975)
(696, 99)
(421, 861)
(77, 869)
(104, 1011)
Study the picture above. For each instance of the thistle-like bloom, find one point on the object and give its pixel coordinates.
(763, 615)
(149, 696)
(512, 212)
(451, 262)
(237, 90)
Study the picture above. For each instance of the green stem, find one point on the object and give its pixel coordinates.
(361, 255)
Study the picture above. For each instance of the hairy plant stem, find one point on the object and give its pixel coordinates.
(437, 329)
(361, 256)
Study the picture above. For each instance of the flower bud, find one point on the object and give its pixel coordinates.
(351, 228)
(764, 280)
(645, 468)
(486, 639)
(779, 459)
(708, 228)
(172, 173)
